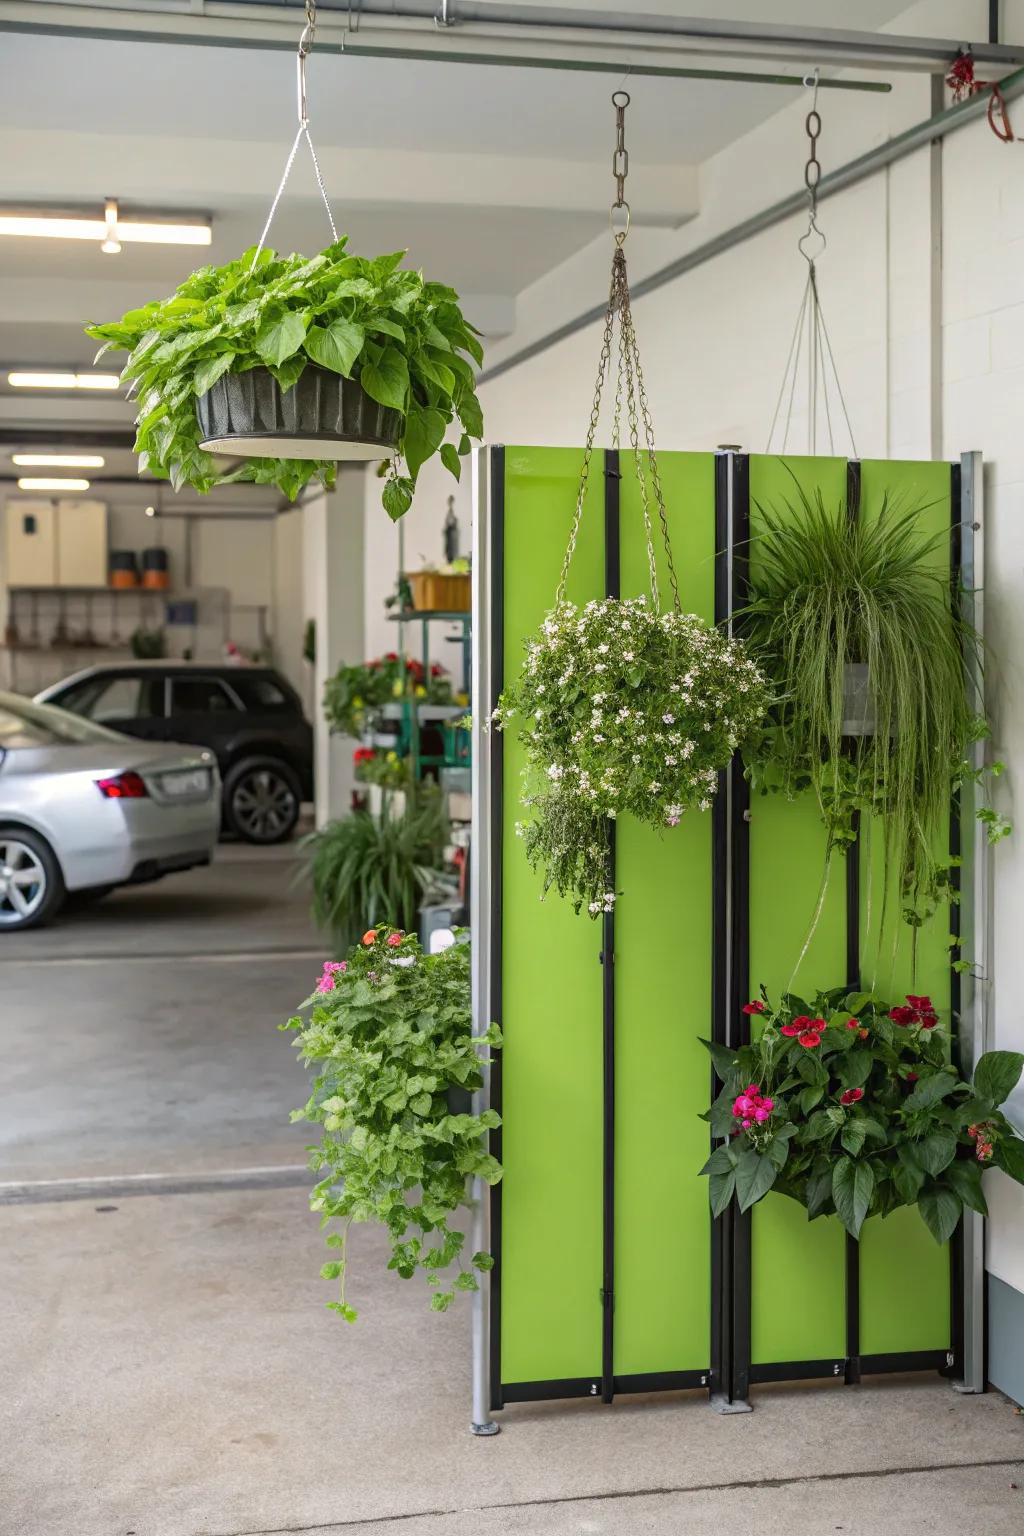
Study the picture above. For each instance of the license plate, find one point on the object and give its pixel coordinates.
(193, 781)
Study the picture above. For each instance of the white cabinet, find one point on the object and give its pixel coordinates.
(30, 544)
(81, 544)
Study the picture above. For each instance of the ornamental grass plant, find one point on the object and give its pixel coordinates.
(828, 591)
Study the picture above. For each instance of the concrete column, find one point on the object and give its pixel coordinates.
(333, 583)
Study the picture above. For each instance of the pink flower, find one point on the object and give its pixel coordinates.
(394, 939)
(333, 967)
(761, 1114)
(746, 1124)
(768, 1104)
(326, 983)
(755, 1007)
(852, 1024)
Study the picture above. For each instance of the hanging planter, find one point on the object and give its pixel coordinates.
(622, 707)
(289, 364)
(889, 733)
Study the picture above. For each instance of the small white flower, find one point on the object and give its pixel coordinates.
(603, 648)
(669, 719)
(555, 772)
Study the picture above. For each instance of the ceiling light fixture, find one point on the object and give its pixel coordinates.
(30, 380)
(51, 483)
(58, 460)
(111, 231)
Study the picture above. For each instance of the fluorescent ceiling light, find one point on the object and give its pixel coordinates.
(110, 231)
(51, 483)
(59, 460)
(28, 380)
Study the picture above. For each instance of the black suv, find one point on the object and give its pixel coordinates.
(249, 717)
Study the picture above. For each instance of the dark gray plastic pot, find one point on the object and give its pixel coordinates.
(323, 416)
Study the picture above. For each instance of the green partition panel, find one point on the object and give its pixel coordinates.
(663, 984)
(551, 1082)
(610, 1275)
(556, 1233)
(888, 1299)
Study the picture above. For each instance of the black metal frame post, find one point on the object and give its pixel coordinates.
(497, 754)
(721, 1226)
(612, 587)
(852, 1369)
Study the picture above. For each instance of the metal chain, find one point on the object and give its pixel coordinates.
(306, 41)
(629, 389)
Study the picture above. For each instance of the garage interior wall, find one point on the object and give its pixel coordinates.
(922, 287)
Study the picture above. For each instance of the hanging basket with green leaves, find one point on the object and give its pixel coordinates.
(287, 364)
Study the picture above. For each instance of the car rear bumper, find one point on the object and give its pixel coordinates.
(138, 840)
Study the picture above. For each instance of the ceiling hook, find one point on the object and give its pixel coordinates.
(444, 16)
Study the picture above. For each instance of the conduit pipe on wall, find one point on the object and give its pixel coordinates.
(921, 134)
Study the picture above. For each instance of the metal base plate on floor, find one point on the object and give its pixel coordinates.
(485, 1430)
(721, 1404)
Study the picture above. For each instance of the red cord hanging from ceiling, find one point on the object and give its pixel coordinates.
(963, 82)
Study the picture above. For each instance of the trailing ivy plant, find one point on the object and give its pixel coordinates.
(622, 709)
(827, 591)
(853, 1107)
(388, 1033)
(405, 340)
(374, 867)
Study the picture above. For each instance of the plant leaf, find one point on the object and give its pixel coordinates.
(424, 432)
(940, 1207)
(451, 461)
(930, 1090)
(935, 1152)
(207, 374)
(755, 1175)
(721, 1188)
(387, 381)
(964, 1176)
(853, 1184)
(278, 339)
(336, 346)
(997, 1075)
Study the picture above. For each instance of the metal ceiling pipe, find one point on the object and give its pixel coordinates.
(917, 137)
(470, 32)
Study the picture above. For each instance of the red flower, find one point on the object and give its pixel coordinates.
(922, 1004)
(862, 1033)
(436, 669)
(851, 1095)
(755, 1007)
(797, 1027)
(910, 1077)
(928, 1020)
(363, 755)
(394, 939)
(903, 1015)
(810, 1038)
(390, 656)
(852, 1024)
(370, 936)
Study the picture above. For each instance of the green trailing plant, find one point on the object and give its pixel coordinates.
(388, 1032)
(622, 709)
(405, 340)
(828, 591)
(373, 868)
(853, 1107)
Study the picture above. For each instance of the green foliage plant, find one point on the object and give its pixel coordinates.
(405, 340)
(853, 1107)
(355, 692)
(388, 1032)
(827, 591)
(373, 867)
(622, 709)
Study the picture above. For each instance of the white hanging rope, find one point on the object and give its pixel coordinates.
(305, 47)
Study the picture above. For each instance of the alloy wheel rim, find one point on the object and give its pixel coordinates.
(22, 882)
(263, 805)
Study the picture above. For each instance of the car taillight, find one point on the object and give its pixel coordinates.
(123, 786)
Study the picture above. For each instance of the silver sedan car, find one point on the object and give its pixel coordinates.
(84, 809)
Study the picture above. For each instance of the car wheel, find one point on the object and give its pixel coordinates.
(261, 800)
(31, 884)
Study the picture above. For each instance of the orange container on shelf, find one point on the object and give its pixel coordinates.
(432, 591)
(156, 581)
(124, 572)
(155, 571)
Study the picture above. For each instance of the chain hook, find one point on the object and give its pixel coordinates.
(306, 41)
(620, 168)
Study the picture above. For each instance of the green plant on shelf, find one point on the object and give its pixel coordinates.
(388, 1031)
(853, 1107)
(148, 644)
(381, 766)
(831, 596)
(374, 867)
(355, 694)
(404, 339)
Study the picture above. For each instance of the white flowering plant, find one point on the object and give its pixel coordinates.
(622, 709)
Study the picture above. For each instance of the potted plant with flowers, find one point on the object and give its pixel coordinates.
(388, 1033)
(853, 1106)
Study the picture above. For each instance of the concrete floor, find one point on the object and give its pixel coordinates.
(169, 1368)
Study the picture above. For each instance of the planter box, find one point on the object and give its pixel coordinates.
(432, 592)
(323, 416)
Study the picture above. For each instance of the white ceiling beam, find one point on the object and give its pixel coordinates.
(60, 164)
